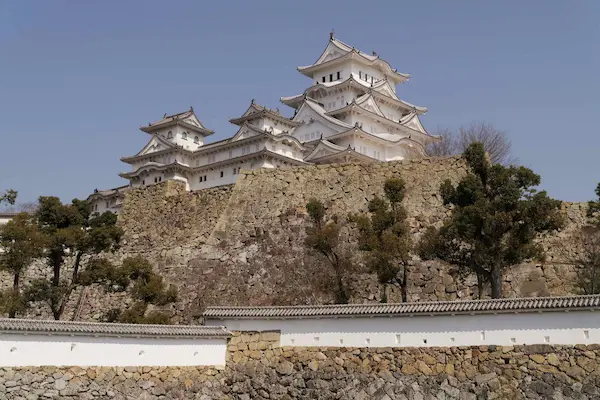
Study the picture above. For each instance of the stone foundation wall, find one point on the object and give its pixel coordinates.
(257, 368)
(244, 244)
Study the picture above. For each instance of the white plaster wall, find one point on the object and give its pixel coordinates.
(370, 71)
(369, 148)
(426, 331)
(213, 178)
(395, 153)
(344, 70)
(102, 205)
(372, 124)
(390, 112)
(268, 123)
(4, 220)
(312, 131)
(58, 350)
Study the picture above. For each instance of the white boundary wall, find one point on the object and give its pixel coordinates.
(64, 350)
(560, 327)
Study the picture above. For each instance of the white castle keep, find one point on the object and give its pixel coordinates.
(350, 113)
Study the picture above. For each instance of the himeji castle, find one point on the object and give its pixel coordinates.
(349, 113)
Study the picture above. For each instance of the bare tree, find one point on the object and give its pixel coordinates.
(447, 146)
(495, 142)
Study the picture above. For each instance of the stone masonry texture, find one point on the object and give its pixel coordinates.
(244, 244)
(258, 368)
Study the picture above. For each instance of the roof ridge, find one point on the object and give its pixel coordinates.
(530, 302)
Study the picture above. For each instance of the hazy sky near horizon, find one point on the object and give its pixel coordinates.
(77, 79)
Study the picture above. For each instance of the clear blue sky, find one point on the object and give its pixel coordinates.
(78, 78)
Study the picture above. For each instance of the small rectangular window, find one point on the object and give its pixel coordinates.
(200, 180)
(339, 75)
(204, 178)
(330, 77)
(324, 80)
(360, 74)
(221, 174)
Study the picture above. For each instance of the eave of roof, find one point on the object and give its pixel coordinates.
(358, 131)
(296, 101)
(346, 152)
(394, 75)
(178, 166)
(317, 108)
(154, 167)
(110, 192)
(8, 214)
(493, 306)
(153, 128)
(48, 327)
(355, 107)
(264, 113)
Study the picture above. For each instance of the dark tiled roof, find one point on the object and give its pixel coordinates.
(9, 325)
(537, 304)
(8, 214)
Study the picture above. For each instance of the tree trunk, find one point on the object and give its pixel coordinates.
(76, 266)
(496, 282)
(12, 313)
(16, 281)
(72, 284)
(342, 297)
(404, 285)
(479, 286)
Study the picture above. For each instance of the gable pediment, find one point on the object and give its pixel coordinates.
(368, 103)
(155, 144)
(314, 113)
(323, 148)
(331, 53)
(192, 120)
(385, 89)
(245, 132)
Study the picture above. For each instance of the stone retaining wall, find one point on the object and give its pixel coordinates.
(257, 368)
(244, 244)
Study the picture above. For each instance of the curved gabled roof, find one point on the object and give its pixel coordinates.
(338, 51)
(412, 128)
(187, 119)
(153, 166)
(321, 112)
(386, 138)
(381, 89)
(367, 101)
(257, 111)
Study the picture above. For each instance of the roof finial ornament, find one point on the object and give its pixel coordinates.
(165, 116)
(321, 135)
(331, 34)
(252, 102)
(191, 109)
(374, 53)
